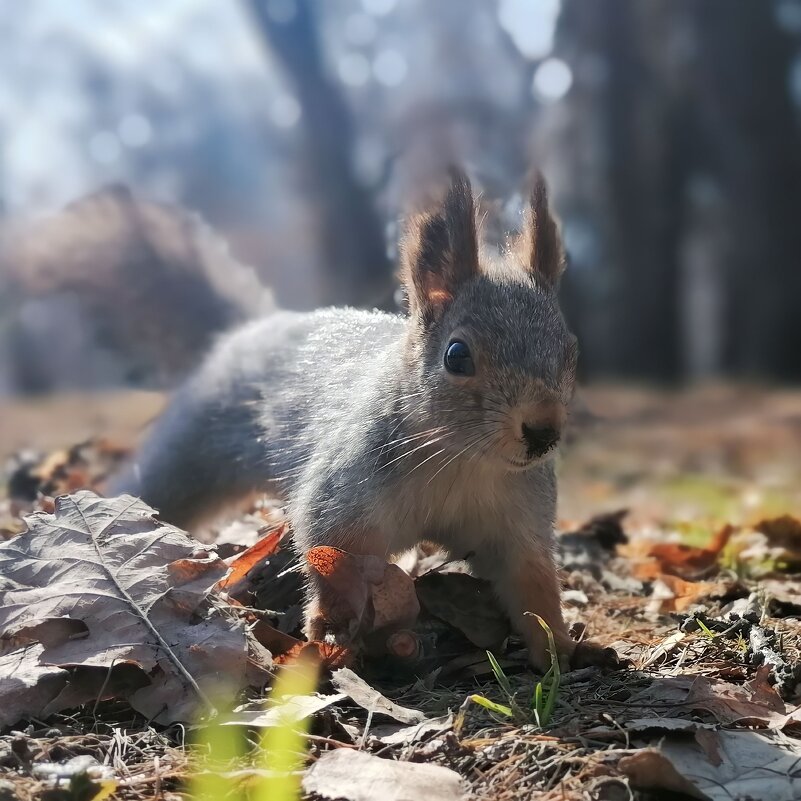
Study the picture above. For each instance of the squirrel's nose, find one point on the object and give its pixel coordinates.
(539, 439)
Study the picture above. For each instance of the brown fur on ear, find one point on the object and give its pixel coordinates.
(540, 243)
(440, 250)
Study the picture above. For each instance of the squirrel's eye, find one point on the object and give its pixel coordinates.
(458, 359)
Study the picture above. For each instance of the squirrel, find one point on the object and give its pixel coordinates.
(383, 430)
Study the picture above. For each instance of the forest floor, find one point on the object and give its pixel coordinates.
(697, 585)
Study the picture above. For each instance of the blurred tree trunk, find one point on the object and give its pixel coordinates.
(625, 186)
(689, 178)
(645, 171)
(753, 145)
(354, 266)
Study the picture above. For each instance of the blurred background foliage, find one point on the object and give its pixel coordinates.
(168, 170)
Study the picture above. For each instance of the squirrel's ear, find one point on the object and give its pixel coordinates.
(440, 250)
(540, 244)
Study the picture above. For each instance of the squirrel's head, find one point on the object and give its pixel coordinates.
(495, 364)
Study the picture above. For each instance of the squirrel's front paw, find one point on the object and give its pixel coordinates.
(316, 628)
(590, 654)
(321, 628)
(539, 655)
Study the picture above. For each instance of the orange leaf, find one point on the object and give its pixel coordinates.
(325, 559)
(647, 570)
(685, 593)
(685, 559)
(243, 563)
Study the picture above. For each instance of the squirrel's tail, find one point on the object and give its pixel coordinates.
(149, 284)
(203, 455)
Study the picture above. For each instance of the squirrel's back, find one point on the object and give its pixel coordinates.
(253, 412)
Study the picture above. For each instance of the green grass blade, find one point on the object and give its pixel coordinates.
(537, 703)
(225, 745)
(708, 633)
(500, 676)
(551, 681)
(500, 709)
(283, 747)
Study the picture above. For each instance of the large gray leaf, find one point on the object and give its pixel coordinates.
(101, 583)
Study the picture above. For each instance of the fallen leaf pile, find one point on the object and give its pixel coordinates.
(113, 625)
(82, 466)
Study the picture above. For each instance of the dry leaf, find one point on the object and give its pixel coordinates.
(754, 704)
(84, 465)
(651, 560)
(762, 692)
(26, 685)
(349, 576)
(393, 734)
(359, 691)
(395, 603)
(784, 538)
(290, 711)
(649, 769)
(662, 649)
(466, 603)
(371, 594)
(348, 775)
(709, 742)
(664, 724)
(275, 641)
(102, 582)
(749, 766)
(782, 598)
(730, 703)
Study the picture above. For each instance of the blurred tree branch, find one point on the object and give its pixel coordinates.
(355, 268)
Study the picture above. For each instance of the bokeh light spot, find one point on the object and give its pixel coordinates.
(390, 68)
(284, 111)
(378, 7)
(134, 130)
(552, 80)
(530, 24)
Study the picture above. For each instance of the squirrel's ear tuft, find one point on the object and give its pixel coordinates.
(540, 244)
(440, 250)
